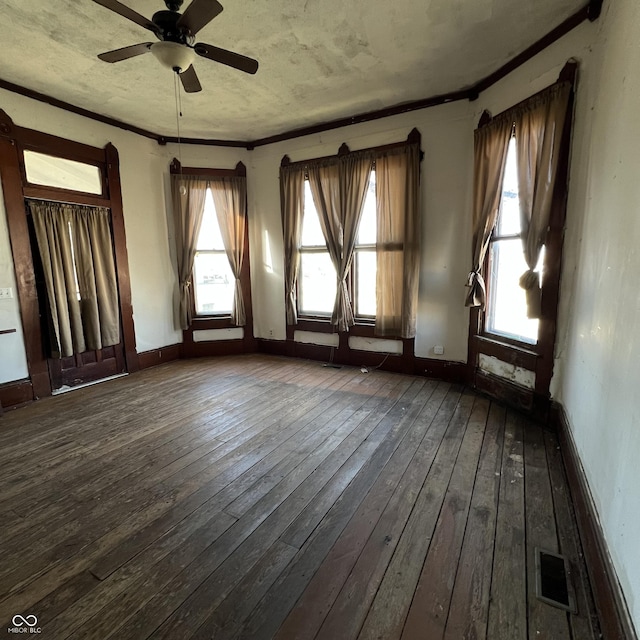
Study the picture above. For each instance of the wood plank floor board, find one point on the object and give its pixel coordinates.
(545, 621)
(584, 623)
(145, 508)
(107, 448)
(360, 503)
(430, 605)
(467, 618)
(156, 562)
(310, 517)
(508, 598)
(367, 543)
(258, 497)
(235, 608)
(217, 504)
(205, 582)
(390, 606)
(328, 423)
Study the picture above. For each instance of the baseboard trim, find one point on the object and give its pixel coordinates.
(615, 621)
(446, 370)
(15, 394)
(154, 357)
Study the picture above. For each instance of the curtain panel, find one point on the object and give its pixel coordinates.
(76, 250)
(188, 209)
(539, 128)
(292, 209)
(230, 200)
(339, 188)
(491, 143)
(398, 241)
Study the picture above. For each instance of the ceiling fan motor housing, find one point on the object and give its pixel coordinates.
(167, 22)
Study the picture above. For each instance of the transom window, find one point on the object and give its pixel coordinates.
(213, 279)
(507, 304)
(60, 173)
(317, 277)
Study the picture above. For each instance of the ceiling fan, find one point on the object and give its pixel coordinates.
(176, 34)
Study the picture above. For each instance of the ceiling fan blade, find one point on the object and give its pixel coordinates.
(199, 14)
(126, 52)
(190, 80)
(130, 14)
(231, 59)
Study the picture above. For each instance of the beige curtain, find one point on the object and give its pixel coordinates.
(539, 127)
(324, 181)
(355, 171)
(491, 143)
(292, 204)
(230, 199)
(188, 209)
(76, 250)
(397, 246)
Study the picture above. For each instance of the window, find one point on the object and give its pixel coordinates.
(51, 171)
(317, 278)
(364, 256)
(214, 284)
(507, 305)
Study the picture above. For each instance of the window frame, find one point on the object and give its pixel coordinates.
(364, 320)
(509, 339)
(364, 326)
(194, 309)
(201, 322)
(538, 357)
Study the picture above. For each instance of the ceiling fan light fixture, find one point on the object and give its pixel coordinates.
(174, 56)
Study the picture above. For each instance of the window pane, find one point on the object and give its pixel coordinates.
(214, 283)
(317, 283)
(51, 171)
(367, 227)
(312, 235)
(365, 283)
(507, 312)
(509, 216)
(210, 237)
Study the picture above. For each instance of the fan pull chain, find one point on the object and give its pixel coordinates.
(176, 87)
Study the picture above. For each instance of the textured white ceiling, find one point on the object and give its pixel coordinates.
(319, 59)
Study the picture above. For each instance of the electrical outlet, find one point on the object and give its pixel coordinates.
(6, 293)
(271, 333)
(438, 350)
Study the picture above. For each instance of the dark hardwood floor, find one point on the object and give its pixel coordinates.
(258, 497)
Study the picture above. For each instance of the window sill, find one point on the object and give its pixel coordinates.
(363, 328)
(211, 322)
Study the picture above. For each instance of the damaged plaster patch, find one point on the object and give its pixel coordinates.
(496, 367)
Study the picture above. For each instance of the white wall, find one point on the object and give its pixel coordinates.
(600, 348)
(446, 233)
(13, 361)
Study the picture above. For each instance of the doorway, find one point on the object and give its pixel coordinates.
(73, 334)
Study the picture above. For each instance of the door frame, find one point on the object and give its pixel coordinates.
(14, 140)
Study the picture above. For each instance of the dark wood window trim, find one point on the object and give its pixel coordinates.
(13, 141)
(539, 357)
(206, 322)
(364, 326)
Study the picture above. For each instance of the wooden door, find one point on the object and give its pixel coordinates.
(89, 366)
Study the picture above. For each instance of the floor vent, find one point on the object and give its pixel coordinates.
(552, 583)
